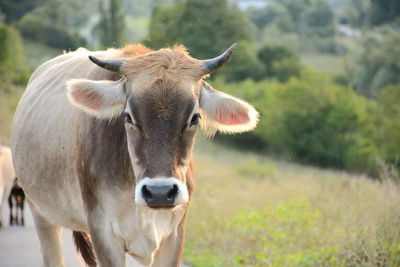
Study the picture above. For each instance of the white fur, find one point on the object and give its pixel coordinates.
(108, 96)
(213, 103)
(182, 197)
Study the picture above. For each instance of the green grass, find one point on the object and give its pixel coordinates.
(290, 215)
(323, 62)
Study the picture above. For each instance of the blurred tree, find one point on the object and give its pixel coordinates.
(40, 30)
(111, 24)
(205, 27)
(15, 9)
(378, 64)
(279, 62)
(12, 63)
(319, 19)
(243, 65)
(388, 132)
(315, 122)
(311, 120)
(264, 16)
(164, 29)
(383, 11)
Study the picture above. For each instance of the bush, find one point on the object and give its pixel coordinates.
(243, 64)
(32, 27)
(12, 62)
(378, 64)
(312, 121)
(279, 62)
(388, 135)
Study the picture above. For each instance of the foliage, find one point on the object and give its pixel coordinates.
(205, 27)
(312, 120)
(15, 9)
(311, 20)
(279, 62)
(377, 65)
(384, 11)
(112, 24)
(164, 29)
(243, 65)
(12, 62)
(34, 28)
(265, 16)
(388, 132)
(13, 74)
(355, 13)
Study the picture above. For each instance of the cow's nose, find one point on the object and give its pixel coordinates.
(158, 196)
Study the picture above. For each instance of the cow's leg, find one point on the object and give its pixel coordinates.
(170, 251)
(10, 205)
(109, 249)
(50, 239)
(2, 204)
(22, 211)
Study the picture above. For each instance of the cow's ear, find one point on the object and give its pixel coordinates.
(224, 113)
(104, 99)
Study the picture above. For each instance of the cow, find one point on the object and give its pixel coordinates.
(103, 145)
(7, 176)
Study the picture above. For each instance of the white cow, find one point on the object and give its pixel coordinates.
(105, 149)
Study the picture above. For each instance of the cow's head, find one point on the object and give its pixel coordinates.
(162, 100)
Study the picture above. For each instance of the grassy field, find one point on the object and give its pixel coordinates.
(250, 210)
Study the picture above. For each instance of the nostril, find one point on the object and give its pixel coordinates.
(172, 193)
(146, 193)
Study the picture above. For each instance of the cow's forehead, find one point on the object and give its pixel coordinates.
(163, 100)
(168, 65)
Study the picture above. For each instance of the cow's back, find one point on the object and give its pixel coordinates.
(44, 137)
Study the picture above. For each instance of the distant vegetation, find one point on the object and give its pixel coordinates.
(343, 118)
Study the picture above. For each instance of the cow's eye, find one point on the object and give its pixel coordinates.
(128, 118)
(195, 119)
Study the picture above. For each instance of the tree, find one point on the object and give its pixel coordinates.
(15, 9)
(377, 65)
(164, 29)
(205, 27)
(384, 11)
(111, 24)
(388, 134)
(279, 62)
(243, 65)
(12, 63)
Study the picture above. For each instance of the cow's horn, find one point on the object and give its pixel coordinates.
(109, 64)
(211, 65)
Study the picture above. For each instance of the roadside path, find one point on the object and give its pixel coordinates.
(19, 246)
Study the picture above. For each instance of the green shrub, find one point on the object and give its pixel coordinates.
(388, 134)
(244, 64)
(312, 120)
(12, 63)
(34, 28)
(279, 62)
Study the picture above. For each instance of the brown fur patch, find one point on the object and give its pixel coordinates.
(134, 50)
(170, 64)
